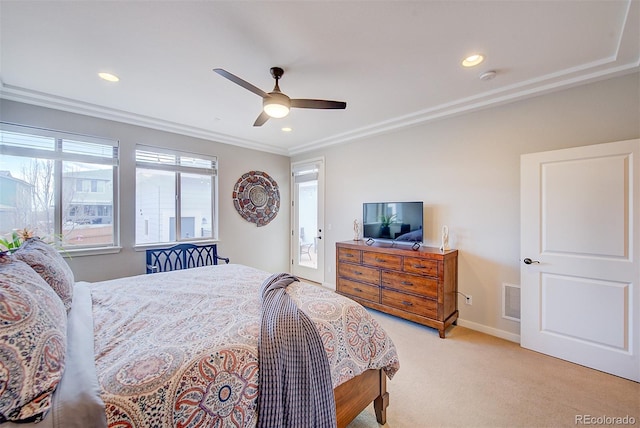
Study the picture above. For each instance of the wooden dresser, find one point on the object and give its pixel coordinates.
(420, 286)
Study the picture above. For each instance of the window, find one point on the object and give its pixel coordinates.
(175, 196)
(46, 185)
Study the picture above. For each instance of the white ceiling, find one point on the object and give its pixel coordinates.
(395, 63)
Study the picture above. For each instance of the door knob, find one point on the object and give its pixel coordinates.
(528, 261)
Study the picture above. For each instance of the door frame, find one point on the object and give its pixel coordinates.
(317, 274)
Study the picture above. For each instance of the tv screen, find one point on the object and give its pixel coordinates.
(392, 221)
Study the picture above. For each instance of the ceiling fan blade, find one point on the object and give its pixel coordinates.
(261, 119)
(321, 104)
(238, 81)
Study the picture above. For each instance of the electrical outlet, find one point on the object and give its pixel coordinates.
(468, 300)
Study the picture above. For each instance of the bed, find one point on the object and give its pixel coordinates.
(175, 348)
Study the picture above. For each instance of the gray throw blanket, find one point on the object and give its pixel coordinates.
(295, 388)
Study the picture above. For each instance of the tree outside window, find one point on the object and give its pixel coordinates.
(47, 185)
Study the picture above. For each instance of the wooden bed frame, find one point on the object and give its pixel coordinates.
(353, 396)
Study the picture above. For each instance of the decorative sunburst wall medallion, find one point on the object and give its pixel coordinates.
(256, 197)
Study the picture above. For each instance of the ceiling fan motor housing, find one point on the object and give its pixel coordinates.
(277, 72)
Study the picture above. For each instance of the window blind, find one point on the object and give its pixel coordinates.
(151, 158)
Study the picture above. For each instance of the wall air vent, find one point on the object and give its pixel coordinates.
(511, 302)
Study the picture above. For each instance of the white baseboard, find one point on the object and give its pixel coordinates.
(512, 337)
(329, 286)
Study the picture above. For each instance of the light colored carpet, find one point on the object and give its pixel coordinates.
(471, 379)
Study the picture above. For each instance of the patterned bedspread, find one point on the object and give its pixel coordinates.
(180, 348)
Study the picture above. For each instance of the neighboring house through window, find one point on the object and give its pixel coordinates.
(175, 196)
(61, 185)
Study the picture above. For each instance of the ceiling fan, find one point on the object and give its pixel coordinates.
(276, 104)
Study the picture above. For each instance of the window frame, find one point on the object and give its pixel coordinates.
(58, 155)
(177, 167)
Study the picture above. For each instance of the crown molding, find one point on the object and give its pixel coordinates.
(565, 79)
(589, 73)
(27, 96)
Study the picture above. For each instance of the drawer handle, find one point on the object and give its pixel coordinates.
(359, 290)
(406, 283)
(348, 255)
(355, 272)
(419, 266)
(380, 260)
(407, 303)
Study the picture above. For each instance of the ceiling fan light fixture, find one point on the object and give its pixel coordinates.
(276, 110)
(277, 105)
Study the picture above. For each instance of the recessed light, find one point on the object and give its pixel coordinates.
(287, 129)
(109, 77)
(472, 60)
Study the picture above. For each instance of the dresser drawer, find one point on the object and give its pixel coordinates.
(389, 261)
(358, 289)
(421, 266)
(410, 303)
(411, 283)
(349, 255)
(359, 273)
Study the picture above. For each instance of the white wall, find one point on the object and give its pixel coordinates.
(466, 169)
(264, 247)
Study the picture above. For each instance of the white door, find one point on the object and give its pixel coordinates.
(307, 190)
(580, 252)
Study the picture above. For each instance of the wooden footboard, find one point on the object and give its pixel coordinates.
(353, 396)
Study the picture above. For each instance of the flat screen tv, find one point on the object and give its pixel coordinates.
(392, 221)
